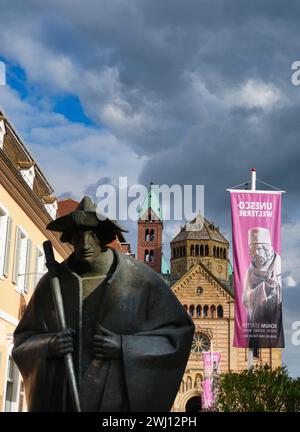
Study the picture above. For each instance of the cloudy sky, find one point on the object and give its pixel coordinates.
(172, 91)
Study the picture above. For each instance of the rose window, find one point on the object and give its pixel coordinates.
(201, 342)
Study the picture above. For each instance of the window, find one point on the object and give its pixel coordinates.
(146, 257)
(191, 310)
(151, 256)
(152, 235)
(213, 311)
(199, 290)
(256, 353)
(201, 342)
(21, 273)
(5, 240)
(206, 250)
(197, 250)
(220, 312)
(198, 311)
(205, 311)
(201, 250)
(147, 237)
(192, 250)
(12, 385)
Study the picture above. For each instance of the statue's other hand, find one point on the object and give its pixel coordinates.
(62, 343)
(107, 345)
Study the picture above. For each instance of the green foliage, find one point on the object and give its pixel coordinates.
(258, 389)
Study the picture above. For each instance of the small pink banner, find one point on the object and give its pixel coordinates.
(211, 363)
(207, 396)
(256, 224)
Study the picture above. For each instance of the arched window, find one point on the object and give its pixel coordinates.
(152, 235)
(224, 254)
(201, 342)
(197, 250)
(213, 311)
(221, 252)
(191, 310)
(217, 252)
(214, 251)
(192, 250)
(147, 237)
(205, 311)
(201, 250)
(198, 311)
(185, 307)
(146, 257)
(206, 250)
(177, 249)
(174, 253)
(220, 313)
(183, 251)
(151, 256)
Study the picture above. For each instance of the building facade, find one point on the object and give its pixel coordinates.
(201, 278)
(26, 207)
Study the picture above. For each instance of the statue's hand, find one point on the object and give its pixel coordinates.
(62, 343)
(107, 345)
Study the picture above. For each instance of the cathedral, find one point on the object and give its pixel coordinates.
(201, 277)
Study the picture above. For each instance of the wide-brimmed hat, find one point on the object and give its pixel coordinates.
(85, 216)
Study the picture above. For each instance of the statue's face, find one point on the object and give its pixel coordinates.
(86, 245)
(261, 253)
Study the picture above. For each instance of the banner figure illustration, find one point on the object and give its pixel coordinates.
(256, 223)
(211, 367)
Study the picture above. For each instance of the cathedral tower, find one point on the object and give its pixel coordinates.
(150, 226)
(207, 245)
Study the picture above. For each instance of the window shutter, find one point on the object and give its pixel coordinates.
(7, 246)
(17, 256)
(28, 261)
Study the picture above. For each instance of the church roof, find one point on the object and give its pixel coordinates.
(151, 201)
(226, 285)
(209, 231)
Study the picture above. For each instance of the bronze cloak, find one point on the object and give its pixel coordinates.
(134, 302)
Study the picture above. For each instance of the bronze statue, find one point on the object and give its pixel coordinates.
(128, 334)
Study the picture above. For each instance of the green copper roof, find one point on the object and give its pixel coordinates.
(165, 266)
(230, 269)
(151, 201)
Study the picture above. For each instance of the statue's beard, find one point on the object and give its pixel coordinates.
(260, 261)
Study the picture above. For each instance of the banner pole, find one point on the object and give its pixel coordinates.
(253, 188)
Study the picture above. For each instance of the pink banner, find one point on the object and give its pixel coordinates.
(207, 395)
(211, 366)
(211, 363)
(256, 223)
